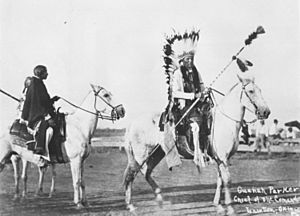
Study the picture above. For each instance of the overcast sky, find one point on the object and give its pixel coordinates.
(118, 44)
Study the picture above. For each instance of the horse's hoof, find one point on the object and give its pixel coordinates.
(131, 207)
(159, 200)
(38, 193)
(85, 204)
(23, 199)
(220, 210)
(79, 206)
(51, 194)
(16, 197)
(230, 211)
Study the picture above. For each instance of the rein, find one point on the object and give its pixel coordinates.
(97, 113)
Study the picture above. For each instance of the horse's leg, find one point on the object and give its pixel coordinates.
(225, 175)
(15, 159)
(39, 190)
(75, 168)
(53, 180)
(129, 175)
(24, 178)
(269, 143)
(154, 159)
(198, 154)
(82, 186)
(217, 198)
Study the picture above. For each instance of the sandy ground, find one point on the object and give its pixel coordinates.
(185, 191)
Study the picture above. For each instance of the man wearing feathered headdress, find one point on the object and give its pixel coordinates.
(185, 86)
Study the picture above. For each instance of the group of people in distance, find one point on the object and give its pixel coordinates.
(265, 135)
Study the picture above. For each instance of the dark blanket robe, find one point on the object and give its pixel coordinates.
(37, 103)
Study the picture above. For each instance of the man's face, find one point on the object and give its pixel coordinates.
(44, 75)
(188, 62)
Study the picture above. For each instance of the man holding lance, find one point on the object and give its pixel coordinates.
(185, 88)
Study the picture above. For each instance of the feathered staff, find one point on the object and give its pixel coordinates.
(248, 41)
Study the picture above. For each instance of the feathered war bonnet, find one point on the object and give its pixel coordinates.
(177, 47)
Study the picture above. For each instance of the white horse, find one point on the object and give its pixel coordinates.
(80, 127)
(15, 159)
(224, 141)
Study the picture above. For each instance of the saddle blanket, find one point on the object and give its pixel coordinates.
(55, 151)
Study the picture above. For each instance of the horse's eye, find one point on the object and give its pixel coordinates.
(106, 95)
(251, 91)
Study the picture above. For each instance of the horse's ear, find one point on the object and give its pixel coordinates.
(93, 87)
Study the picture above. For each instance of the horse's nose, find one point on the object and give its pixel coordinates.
(263, 113)
(121, 111)
(267, 113)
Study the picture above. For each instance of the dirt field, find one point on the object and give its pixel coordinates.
(185, 191)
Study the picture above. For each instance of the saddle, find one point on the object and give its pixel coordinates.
(56, 148)
(184, 136)
(19, 129)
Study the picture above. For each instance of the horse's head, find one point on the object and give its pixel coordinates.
(252, 99)
(104, 103)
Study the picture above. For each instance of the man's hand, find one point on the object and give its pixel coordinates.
(206, 92)
(55, 98)
(22, 121)
(202, 95)
(198, 95)
(51, 123)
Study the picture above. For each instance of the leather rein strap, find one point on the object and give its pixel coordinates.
(97, 113)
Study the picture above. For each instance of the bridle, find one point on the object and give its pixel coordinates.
(247, 95)
(114, 114)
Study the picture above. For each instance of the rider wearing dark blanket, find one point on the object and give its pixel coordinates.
(38, 107)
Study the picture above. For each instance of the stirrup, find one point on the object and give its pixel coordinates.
(42, 162)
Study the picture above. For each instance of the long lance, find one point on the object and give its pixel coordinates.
(9, 95)
(248, 41)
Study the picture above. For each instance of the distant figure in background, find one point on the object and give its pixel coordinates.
(261, 136)
(245, 131)
(274, 132)
(290, 134)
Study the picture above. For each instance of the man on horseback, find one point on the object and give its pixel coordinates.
(188, 86)
(189, 101)
(38, 110)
